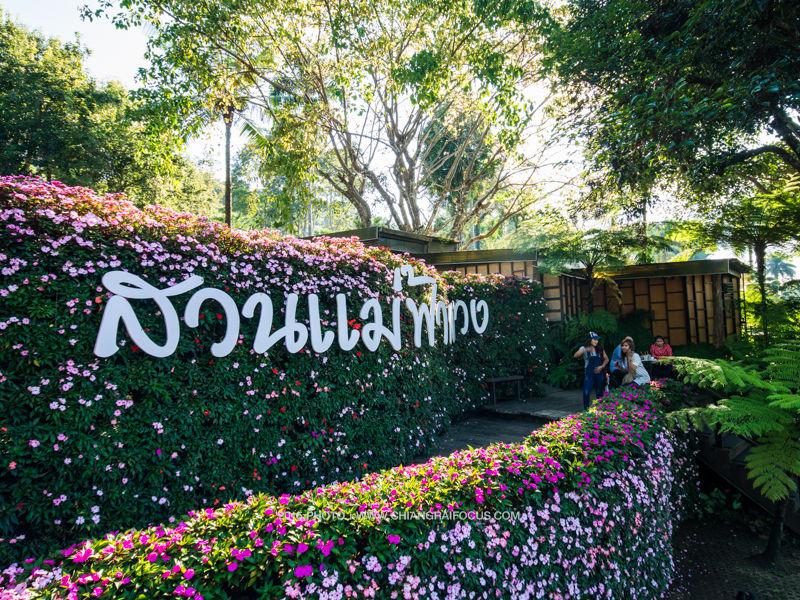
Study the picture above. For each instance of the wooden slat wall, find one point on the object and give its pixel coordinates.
(520, 268)
(554, 296)
(681, 307)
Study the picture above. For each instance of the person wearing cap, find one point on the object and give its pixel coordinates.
(594, 365)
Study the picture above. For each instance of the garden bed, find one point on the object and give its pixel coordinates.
(595, 498)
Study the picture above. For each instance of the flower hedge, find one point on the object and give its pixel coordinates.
(89, 445)
(592, 498)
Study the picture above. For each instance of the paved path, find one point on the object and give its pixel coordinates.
(507, 421)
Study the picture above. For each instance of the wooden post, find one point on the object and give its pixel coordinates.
(719, 311)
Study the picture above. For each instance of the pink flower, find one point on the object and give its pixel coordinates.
(189, 573)
(393, 538)
(82, 556)
(303, 571)
(233, 566)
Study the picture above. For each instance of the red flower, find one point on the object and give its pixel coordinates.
(134, 348)
(219, 316)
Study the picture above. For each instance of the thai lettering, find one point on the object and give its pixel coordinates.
(295, 334)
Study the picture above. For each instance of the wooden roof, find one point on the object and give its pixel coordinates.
(730, 266)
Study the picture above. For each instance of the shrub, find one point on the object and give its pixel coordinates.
(592, 493)
(515, 345)
(88, 445)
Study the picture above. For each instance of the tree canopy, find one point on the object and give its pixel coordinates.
(677, 88)
(414, 107)
(57, 122)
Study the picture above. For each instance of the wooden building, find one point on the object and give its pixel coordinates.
(688, 302)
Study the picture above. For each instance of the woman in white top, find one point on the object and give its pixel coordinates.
(632, 363)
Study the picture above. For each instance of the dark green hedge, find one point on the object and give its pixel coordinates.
(89, 445)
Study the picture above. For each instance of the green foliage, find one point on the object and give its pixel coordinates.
(58, 123)
(782, 363)
(661, 90)
(762, 405)
(774, 463)
(133, 439)
(565, 337)
(418, 108)
(718, 504)
(515, 345)
(582, 478)
(720, 375)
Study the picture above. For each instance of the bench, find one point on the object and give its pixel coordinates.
(493, 381)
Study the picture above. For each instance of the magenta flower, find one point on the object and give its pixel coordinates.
(82, 556)
(303, 571)
(232, 566)
(393, 538)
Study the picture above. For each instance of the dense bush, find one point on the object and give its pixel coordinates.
(591, 495)
(515, 345)
(89, 444)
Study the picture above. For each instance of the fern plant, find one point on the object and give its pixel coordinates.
(761, 404)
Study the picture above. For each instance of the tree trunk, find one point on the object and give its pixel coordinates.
(228, 118)
(643, 232)
(772, 553)
(760, 251)
(590, 296)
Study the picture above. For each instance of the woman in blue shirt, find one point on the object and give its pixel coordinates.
(594, 365)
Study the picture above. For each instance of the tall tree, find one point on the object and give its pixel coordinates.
(58, 123)
(678, 87)
(779, 266)
(766, 218)
(384, 83)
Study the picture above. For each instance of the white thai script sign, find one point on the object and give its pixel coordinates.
(294, 334)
